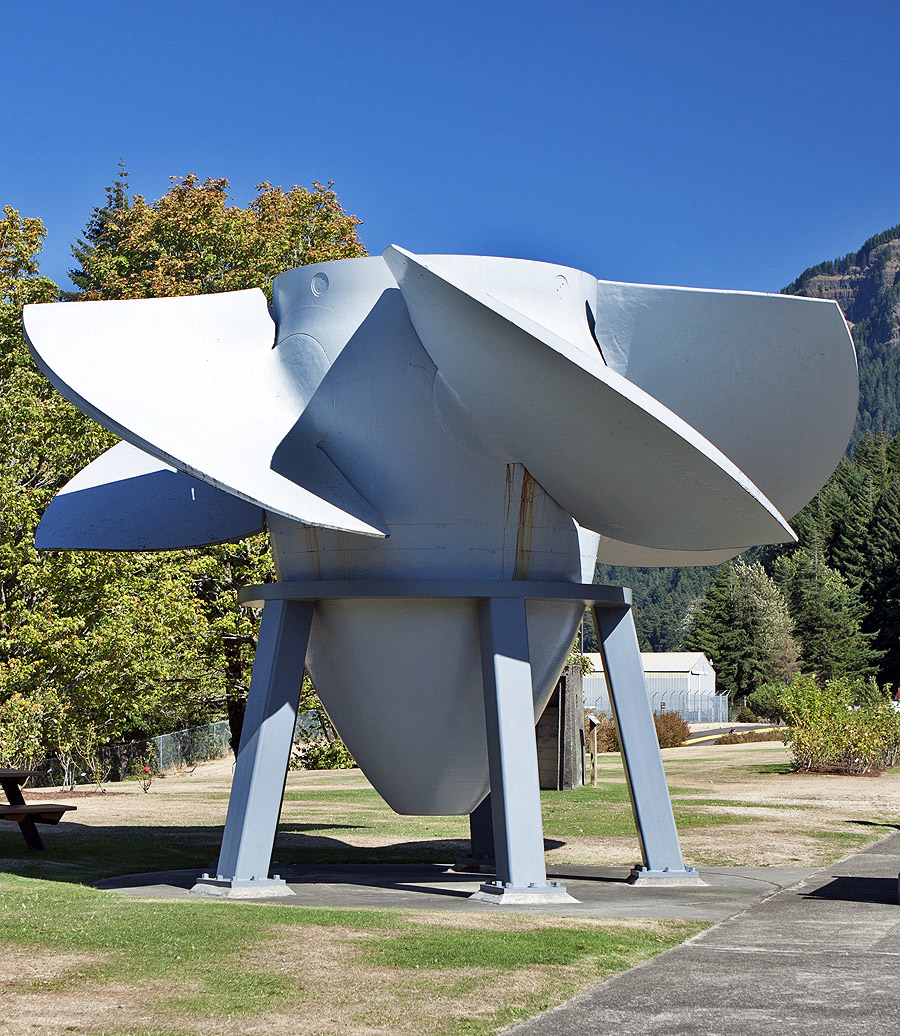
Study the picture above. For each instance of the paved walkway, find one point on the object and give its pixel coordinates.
(819, 959)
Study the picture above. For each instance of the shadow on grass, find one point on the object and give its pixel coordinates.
(88, 854)
(85, 854)
(874, 823)
(293, 828)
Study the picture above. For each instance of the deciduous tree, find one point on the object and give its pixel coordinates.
(192, 241)
(129, 643)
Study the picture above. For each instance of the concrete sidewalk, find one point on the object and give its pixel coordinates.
(818, 959)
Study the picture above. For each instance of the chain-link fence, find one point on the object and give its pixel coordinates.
(665, 696)
(192, 746)
(181, 748)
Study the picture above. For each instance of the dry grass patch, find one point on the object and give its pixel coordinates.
(81, 1005)
(419, 975)
(22, 965)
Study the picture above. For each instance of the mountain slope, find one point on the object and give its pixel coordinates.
(866, 285)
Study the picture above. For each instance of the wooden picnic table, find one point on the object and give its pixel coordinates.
(27, 814)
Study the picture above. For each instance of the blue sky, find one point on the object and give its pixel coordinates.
(716, 144)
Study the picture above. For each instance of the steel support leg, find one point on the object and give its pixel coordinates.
(480, 857)
(641, 757)
(512, 758)
(263, 756)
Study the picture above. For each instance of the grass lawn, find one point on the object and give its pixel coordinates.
(79, 960)
(92, 962)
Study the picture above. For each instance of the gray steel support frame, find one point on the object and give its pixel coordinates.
(650, 802)
(263, 757)
(512, 810)
(512, 757)
(480, 857)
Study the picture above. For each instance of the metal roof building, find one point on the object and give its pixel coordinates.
(677, 681)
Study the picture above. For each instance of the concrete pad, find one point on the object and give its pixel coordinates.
(599, 891)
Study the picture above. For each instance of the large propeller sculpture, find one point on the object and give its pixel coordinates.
(442, 447)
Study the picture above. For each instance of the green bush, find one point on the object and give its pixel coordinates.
(765, 702)
(841, 727)
(323, 755)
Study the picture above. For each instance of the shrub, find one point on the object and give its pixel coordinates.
(671, 729)
(607, 738)
(745, 715)
(143, 765)
(323, 755)
(750, 736)
(831, 731)
(765, 702)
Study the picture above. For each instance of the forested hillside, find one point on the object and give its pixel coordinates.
(866, 285)
(663, 600)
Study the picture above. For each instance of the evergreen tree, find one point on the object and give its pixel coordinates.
(851, 500)
(827, 613)
(742, 625)
(103, 232)
(884, 534)
(870, 453)
(881, 587)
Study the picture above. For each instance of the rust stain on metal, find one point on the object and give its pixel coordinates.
(508, 506)
(342, 553)
(315, 560)
(525, 529)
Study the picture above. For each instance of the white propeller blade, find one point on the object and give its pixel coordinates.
(128, 500)
(196, 383)
(614, 457)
